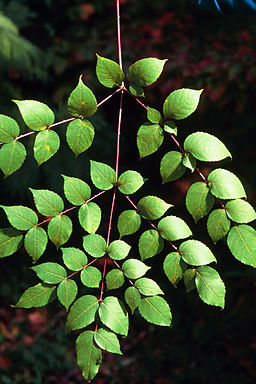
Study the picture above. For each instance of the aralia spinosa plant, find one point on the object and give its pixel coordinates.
(107, 315)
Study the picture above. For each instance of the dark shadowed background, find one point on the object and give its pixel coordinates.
(44, 46)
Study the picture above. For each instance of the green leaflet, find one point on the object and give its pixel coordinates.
(20, 217)
(225, 184)
(133, 268)
(74, 258)
(95, 245)
(89, 216)
(102, 175)
(242, 244)
(210, 287)
(80, 135)
(88, 355)
(114, 315)
(46, 145)
(12, 156)
(189, 161)
(153, 115)
(170, 127)
(38, 116)
(35, 242)
(108, 72)
(66, 292)
(218, 224)
(129, 182)
(51, 273)
(128, 222)
(240, 211)
(136, 90)
(82, 312)
(107, 340)
(148, 287)
(174, 267)
(173, 228)
(59, 230)
(146, 71)
(76, 191)
(9, 129)
(152, 207)
(189, 279)
(172, 167)
(10, 241)
(206, 147)
(91, 277)
(150, 244)
(114, 279)
(37, 296)
(155, 310)
(199, 200)
(194, 252)
(149, 139)
(47, 202)
(118, 250)
(132, 298)
(82, 101)
(181, 103)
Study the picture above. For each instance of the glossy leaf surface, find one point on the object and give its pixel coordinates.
(225, 184)
(51, 273)
(240, 211)
(80, 135)
(194, 252)
(181, 103)
(210, 287)
(199, 200)
(242, 244)
(107, 340)
(173, 228)
(152, 207)
(155, 310)
(145, 71)
(218, 224)
(38, 116)
(82, 312)
(114, 315)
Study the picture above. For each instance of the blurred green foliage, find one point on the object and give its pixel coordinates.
(44, 47)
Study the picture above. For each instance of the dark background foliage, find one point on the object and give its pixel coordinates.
(55, 42)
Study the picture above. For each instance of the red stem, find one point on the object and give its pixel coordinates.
(119, 33)
(111, 216)
(72, 274)
(103, 278)
(108, 97)
(118, 266)
(118, 133)
(135, 98)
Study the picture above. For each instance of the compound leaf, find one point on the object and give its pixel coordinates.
(76, 191)
(47, 202)
(218, 224)
(82, 101)
(91, 277)
(12, 156)
(51, 273)
(152, 207)
(240, 211)
(9, 129)
(108, 72)
(199, 200)
(10, 241)
(132, 298)
(129, 182)
(150, 244)
(225, 184)
(242, 244)
(210, 287)
(88, 355)
(133, 268)
(35, 242)
(181, 103)
(37, 296)
(128, 222)
(173, 228)
(107, 340)
(89, 216)
(194, 252)
(118, 249)
(114, 315)
(59, 230)
(155, 310)
(206, 147)
(102, 175)
(171, 167)
(79, 135)
(114, 279)
(95, 245)
(38, 116)
(146, 71)
(20, 217)
(74, 258)
(46, 145)
(66, 292)
(82, 312)
(149, 139)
